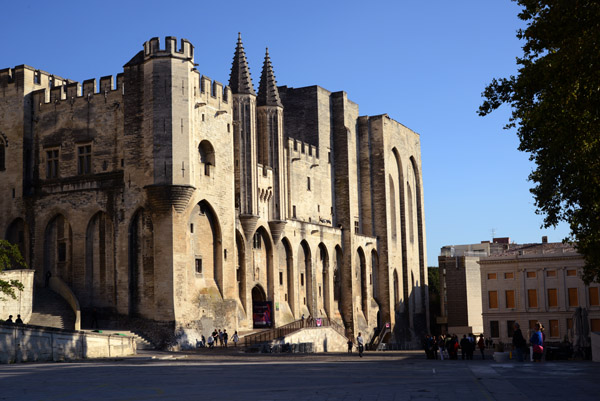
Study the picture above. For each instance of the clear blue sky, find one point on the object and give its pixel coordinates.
(425, 63)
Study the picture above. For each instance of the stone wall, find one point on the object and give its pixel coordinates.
(24, 302)
(324, 339)
(35, 344)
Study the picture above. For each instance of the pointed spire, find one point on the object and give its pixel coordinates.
(268, 95)
(240, 80)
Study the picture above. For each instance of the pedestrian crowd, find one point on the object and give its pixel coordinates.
(217, 338)
(446, 346)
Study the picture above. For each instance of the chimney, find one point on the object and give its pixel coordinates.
(545, 239)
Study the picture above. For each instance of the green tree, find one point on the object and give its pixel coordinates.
(10, 258)
(555, 101)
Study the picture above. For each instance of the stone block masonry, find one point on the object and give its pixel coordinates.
(163, 196)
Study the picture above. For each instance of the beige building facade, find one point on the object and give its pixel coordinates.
(537, 282)
(460, 285)
(172, 203)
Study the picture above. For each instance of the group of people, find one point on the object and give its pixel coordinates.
(19, 321)
(360, 344)
(448, 345)
(218, 337)
(537, 339)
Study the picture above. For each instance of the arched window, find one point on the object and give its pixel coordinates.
(207, 155)
(2, 154)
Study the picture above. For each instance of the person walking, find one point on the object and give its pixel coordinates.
(361, 344)
(9, 320)
(537, 342)
(19, 321)
(350, 345)
(225, 337)
(518, 342)
(235, 338)
(481, 345)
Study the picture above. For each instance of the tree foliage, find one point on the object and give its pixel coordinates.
(555, 101)
(10, 258)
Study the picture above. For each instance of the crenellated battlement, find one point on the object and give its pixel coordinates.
(299, 150)
(152, 48)
(213, 92)
(24, 79)
(72, 91)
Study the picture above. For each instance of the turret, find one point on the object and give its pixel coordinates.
(270, 138)
(244, 123)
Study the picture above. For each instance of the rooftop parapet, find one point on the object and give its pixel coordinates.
(152, 48)
(302, 150)
(72, 91)
(214, 88)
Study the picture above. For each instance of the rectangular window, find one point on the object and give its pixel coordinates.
(494, 329)
(301, 278)
(532, 298)
(551, 273)
(492, 276)
(84, 159)
(531, 275)
(571, 272)
(192, 228)
(594, 296)
(52, 163)
(595, 325)
(493, 299)
(554, 331)
(280, 278)
(510, 328)
(294, 211)
(508, 276)
(356, 227)
(552, 297)
(510, 298)
(569, 324)
(198, 266)
(573, 297)
(308, 183)
(532, 324)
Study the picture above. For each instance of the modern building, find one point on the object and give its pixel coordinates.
(537, 282)
(167, 200)
(460, 285)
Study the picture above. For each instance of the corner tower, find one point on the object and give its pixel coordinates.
(270, 140)
(244, 131)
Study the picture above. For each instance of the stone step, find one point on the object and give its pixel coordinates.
(141, 342)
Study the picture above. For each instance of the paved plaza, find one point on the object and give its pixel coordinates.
(227, 375)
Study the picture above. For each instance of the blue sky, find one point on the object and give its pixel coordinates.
(425, 63)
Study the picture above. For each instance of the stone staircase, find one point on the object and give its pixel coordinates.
(51, 310)
(141, 342)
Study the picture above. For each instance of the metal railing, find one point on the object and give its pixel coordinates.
(282, 331)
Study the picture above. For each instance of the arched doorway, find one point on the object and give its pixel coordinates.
(98, 285)
(241, 269)
(141, 262)
(323, 300)
(305, 275)
(205, 234)
(286, 266)
(363, 280)
(262, 311)
(337, 280)
(58, 250)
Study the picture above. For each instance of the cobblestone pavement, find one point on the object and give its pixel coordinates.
(227, 375)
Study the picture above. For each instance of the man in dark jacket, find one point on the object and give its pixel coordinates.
(519, 343)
